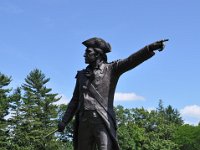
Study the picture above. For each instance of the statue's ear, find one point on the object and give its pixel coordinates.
(97, 55)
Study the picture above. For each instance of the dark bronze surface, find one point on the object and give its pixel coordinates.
(92, 100)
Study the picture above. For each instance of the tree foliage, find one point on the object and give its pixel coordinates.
(188, 137)
(4, 109)
(33, 114)
(140, 129)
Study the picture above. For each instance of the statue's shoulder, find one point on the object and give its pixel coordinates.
(79, 72)
(114, 62)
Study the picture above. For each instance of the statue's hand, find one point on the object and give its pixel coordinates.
(158, 45)
(61, 126)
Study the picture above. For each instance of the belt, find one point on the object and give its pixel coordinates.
(88, 113)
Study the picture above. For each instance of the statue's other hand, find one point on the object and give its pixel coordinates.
(158, 45)
(61, 126)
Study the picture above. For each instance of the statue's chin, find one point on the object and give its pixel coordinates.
(86, 62)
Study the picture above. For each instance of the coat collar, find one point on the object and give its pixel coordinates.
(89, 71)
(99, 66)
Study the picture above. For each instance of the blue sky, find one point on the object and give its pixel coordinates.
(47, 34)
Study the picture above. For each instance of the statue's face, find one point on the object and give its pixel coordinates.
(90, 56)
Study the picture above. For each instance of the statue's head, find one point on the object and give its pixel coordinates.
(96, 49)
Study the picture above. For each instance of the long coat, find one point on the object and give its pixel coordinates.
(105, 82)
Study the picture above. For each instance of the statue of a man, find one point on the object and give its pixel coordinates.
(92, 101)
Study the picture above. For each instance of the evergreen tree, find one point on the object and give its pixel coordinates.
(38, 114)
(4, 109)
(172, 115)
(15, 121)
(169, 114)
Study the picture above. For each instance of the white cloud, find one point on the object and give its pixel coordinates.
(191, 122)
(63, 100)
(191, 111)
(127, 97)
(149, 109)
(118, 97)
(191, 114)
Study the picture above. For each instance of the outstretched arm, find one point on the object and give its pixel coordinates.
(138, 57)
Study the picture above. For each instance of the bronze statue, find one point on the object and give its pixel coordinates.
(92, 101)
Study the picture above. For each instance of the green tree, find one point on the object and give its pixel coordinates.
(169, 114)
(163, 122)
(15, 119)
(188, 137)
(38, 115)
(4, 109)
(131, 136)
(65, 138)
(139, 129)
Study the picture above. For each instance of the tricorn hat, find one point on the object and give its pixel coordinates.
(98, 43)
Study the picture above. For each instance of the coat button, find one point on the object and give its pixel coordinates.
(84, 87)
